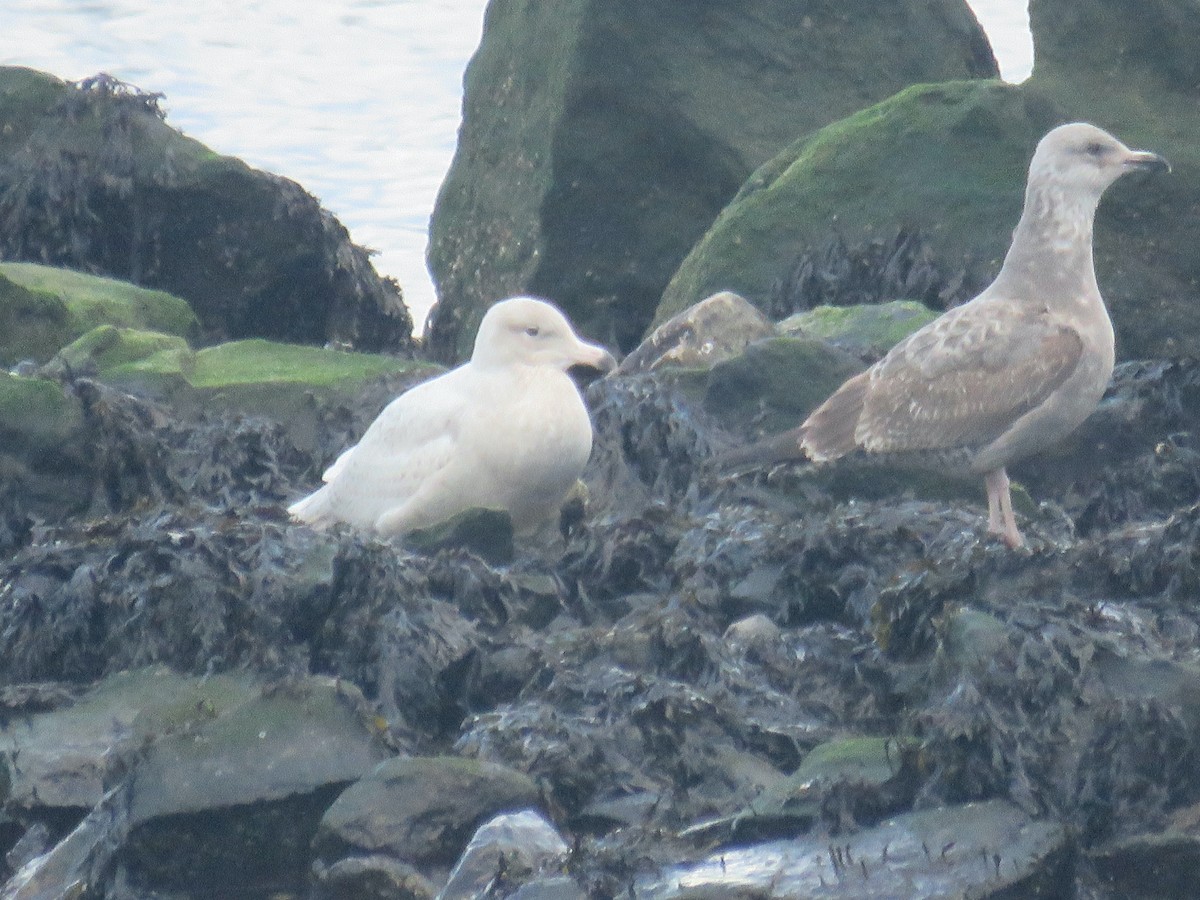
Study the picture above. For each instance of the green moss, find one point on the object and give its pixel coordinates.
(35, 412)
(43, 308)
(263, 362)
(872, 329)
(868, 760)
(33, 325)
(108, 347)
(946, 159)
(282, 381)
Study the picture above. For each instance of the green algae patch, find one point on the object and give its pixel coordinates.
(108, 347)
(869, 330)
(42, 308)
(257, 361)
(284, 382)
(947, 160)
(34, 412)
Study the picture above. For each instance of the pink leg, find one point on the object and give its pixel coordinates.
(1001, 520)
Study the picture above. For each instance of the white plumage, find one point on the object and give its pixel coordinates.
(507, 430)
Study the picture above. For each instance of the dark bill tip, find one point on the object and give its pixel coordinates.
(1148, 162)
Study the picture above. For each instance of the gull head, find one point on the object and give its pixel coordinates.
(525, 331)
(1084, 160)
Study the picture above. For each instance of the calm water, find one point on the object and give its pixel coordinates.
(358, 100)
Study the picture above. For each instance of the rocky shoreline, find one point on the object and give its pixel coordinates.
(802, 682)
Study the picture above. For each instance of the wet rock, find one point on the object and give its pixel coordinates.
(43, 309)
(753, 631)
(646, 154)
(1149, 866)
(866, 331)
(712, 331)
(420, 809)
(376, 877)
(984, 850)
(67, 759)
(77, 862)
(253, 253)
(554, 888)
(235, 802)
(505, 852)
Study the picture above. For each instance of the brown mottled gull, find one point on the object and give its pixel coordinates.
(1007, 373)
(506, 430)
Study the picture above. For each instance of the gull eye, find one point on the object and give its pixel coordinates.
(1096, 149)
(533, 331)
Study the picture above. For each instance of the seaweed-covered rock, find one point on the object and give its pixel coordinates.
(43, 308)
(588, 182)
(94, 179)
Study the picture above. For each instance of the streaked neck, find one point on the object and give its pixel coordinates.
(1052, 244)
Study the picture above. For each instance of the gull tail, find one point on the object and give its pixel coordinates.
(313, 509)
(784, 447)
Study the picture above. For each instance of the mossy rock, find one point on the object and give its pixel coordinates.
(253, 253)
(43, 308)
(881, 767)
(108, 346)
(35, 414)
(949, 161)
(44, 458)
(600, 140)
(255, 376)
(868, 330)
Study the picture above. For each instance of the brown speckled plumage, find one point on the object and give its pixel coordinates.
(1008, 373)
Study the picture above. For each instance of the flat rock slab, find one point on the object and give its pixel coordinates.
(68, 758)
(980, 850)
(421, 809)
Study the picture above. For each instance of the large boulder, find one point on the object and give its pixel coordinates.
(948, 162)
(92, 178)
(600, 140)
